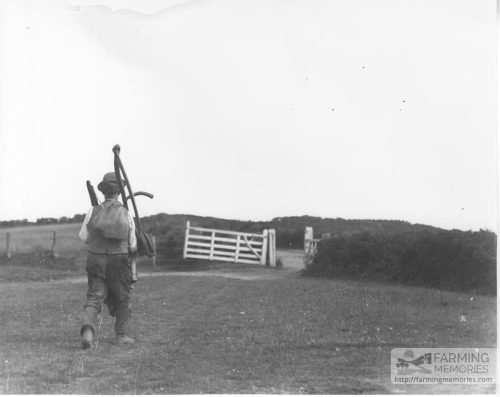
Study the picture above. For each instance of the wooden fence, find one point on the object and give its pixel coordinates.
(47, 243)
(229, 246)
(12, 246)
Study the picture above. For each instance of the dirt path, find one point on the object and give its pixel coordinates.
(293, 260)
(257, 275)
(292, 263)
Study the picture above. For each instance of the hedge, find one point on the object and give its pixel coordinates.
(452, 260)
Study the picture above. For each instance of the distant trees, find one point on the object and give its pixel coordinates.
(16, 222)
(77, 218)
(46, 221)
(289, 230)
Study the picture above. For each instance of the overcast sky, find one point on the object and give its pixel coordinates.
(379, 109)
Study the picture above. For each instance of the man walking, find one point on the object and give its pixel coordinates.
(109, 232)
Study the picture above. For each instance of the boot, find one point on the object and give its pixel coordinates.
(87, 337)
(124, 340)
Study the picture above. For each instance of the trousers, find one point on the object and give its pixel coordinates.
(109, 281)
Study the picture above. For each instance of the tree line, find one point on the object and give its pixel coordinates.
(289, 230)
(77, 218)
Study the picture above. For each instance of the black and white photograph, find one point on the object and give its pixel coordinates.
(248, 197)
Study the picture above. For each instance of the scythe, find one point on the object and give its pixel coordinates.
(144, 242)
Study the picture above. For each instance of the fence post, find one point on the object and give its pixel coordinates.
(272, 247)
(186, 239)
(265, 240)
(53, 249)
(154, 252)
(7, 245)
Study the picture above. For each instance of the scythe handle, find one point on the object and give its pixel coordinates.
(116, 151)
(119, 169)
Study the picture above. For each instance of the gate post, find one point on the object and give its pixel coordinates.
(263, 258)
(308, 239)
(272, 247)
(308, 246)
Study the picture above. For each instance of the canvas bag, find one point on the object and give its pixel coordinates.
(144, 244)
(110, 221)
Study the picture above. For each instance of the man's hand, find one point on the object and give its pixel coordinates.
(132, 257)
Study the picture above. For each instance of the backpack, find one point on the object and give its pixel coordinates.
(110, 221)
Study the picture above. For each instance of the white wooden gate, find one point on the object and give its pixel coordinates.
(225, 245)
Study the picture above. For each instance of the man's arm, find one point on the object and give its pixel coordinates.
(132, 247)
(132, 240)
(84, 235)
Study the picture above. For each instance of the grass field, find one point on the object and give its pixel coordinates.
(28, 239)
(226, 332)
